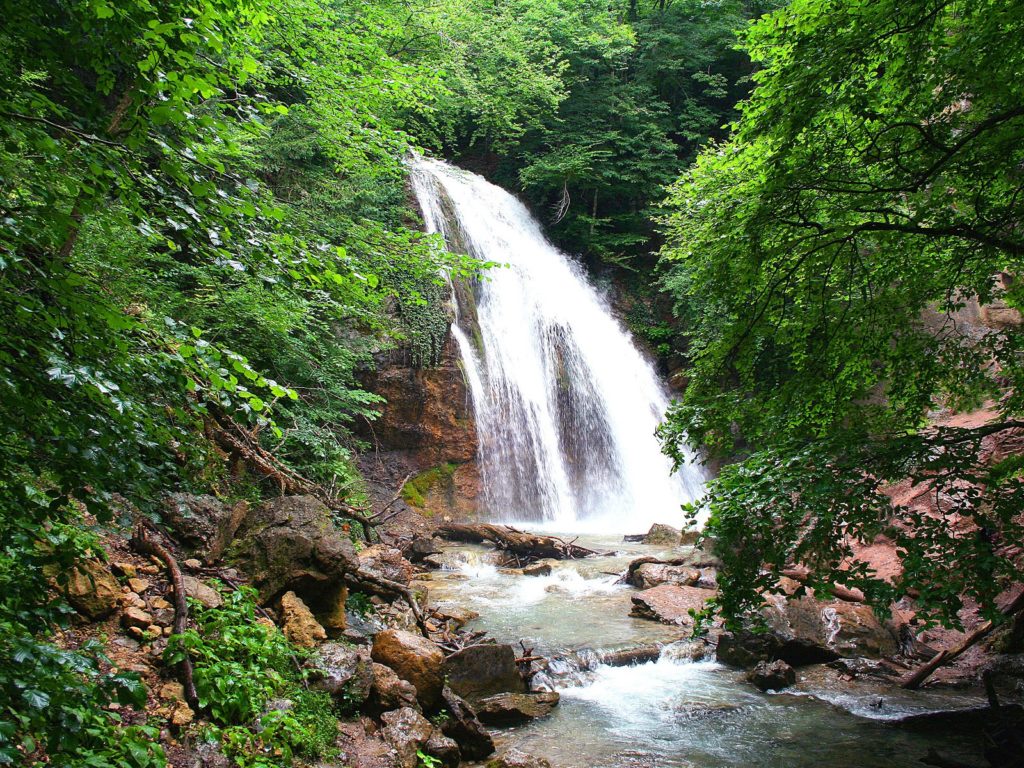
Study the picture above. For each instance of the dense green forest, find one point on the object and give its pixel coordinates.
(205, 236)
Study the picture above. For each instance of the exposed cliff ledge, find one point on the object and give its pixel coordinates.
(426, 430)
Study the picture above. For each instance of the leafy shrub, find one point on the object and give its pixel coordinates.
(240, 665)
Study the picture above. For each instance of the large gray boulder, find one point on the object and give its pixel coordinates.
(345, 673)
(483, 670)
(204, 525)
(292, 544)
(806, 631)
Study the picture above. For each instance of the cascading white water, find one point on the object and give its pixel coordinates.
(566, 405)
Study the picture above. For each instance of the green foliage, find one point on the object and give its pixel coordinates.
(54, 701)
(359, 602)
(240, 666)
(423, 760)
(817, 259)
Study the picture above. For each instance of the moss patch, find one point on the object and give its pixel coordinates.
(415, 491)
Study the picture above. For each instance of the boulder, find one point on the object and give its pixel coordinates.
(386, 562)
(389, 691)
(409, 732)
(92, 590)
(664, 535)
(516, 759)
(415, 659)
(292, 544)
(345, 673)
(515, 708)
(204, 525)
(670, 604)
(648, 575)
(464, 728)
(298, 622)
(806, 631)
(772, 675)
(483, 670)
(421, 547)
(203, 593)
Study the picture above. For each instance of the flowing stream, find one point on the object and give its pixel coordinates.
(566, 405)
(566, 409)
(676, 712)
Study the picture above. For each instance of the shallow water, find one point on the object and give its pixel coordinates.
(671, 713)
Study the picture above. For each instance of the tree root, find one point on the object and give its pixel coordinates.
(143, 543)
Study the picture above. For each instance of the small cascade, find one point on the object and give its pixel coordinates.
(566, 405)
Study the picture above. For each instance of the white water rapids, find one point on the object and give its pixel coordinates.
(566, 405)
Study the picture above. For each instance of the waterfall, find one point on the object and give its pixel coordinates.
(565, 404)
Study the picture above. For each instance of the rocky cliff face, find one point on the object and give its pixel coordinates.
(426, 432)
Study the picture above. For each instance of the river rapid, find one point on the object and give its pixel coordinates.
(674, 712)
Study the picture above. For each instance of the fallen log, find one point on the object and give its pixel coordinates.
(838, 591)
(943, 657)
(144, 544)
(525, 546)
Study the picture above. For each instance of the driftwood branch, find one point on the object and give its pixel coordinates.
(525, 546)
(145, 544)
(922, 673)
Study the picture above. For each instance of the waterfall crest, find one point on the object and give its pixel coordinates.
(565, 404)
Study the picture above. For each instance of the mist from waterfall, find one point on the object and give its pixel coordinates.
(566, 405)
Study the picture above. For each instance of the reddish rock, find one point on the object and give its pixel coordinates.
(670, 604)
(415, 659)
(298, 623)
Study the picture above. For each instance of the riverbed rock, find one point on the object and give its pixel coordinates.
(806, 631)
(670, 604)
(516, 759)
(343, 672)
(415, 659)
(389, 691)
(298, 622)
(408, 732)
(483, 670)
(292, 544)
(540, 568)
(204, 525)
(421, 547)
(772, 675)
(136, 617)
(92, 590)
(663, 535)
(650, 574)
(386, 562)
(463, 726)
(514, 708)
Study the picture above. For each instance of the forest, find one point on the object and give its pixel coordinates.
(208, 244)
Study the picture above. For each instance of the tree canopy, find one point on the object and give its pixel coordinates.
(818, 258)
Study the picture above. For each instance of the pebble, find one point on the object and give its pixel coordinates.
(149, 569)
(192, 564)
(159, 604)
(138, 585)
